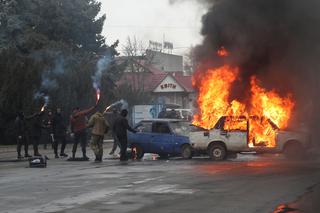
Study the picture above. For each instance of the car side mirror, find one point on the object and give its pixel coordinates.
(206, 133)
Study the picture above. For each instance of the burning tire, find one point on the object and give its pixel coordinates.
(137, 152)
(186, 152)
(293, 150)
(217, 152)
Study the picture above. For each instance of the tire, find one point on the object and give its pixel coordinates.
(294, 151)
(217, 152)
(186, 152)
(137, 152)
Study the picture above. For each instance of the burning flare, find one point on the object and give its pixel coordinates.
(266, 110)
(42, 108)
(98, 95)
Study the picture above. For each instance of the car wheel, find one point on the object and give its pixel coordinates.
(186, 152)
(137, 152)
(294, 151)
(217, 152)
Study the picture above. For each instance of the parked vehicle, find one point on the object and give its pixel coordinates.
(219, 142)
(165, 137)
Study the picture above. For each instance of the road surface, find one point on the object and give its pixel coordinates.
(249, 183)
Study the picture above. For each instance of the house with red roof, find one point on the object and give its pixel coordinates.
(171, 87)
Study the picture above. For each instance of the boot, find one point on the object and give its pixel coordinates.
(27, 155)
(19, 156)
(37, 154)
(56, 156)
(63, 155)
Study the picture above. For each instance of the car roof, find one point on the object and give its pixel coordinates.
(163, 120)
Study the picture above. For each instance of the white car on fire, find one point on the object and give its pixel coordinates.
(222, 140)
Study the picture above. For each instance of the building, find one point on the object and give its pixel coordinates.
(162, 76)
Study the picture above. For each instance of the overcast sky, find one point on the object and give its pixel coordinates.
(153, 20)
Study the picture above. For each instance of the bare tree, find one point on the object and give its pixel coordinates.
(136, 72)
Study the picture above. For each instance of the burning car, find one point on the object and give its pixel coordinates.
(235, 134)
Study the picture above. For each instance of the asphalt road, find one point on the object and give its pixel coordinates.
(247, 184)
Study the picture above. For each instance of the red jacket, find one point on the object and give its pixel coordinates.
(78, 120)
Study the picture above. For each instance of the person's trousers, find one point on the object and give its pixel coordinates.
(62, 140)
(96, 145)
(35, 142)
(115, 143)
(123, 146)
(22, 141)
(80, 137)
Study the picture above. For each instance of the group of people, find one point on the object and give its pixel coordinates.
(56, 126)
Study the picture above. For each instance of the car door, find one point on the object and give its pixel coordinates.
(235, 130)
(143, 136)
(162, 138)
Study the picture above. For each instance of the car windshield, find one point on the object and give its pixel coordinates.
(180, 128)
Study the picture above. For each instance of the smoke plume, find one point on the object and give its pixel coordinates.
(49, 81)
(276, 40)
(101, 66)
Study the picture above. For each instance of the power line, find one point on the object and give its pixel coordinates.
(153, 27)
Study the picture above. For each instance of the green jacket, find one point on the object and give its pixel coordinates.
(98, 124)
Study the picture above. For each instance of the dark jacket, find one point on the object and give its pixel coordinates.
(21, 127)
(36, 125)
(121, 126)
(59, 125)
(48, 124)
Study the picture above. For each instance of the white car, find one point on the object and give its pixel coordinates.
(219, 143)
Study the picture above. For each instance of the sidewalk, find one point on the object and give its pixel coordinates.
(8, 152)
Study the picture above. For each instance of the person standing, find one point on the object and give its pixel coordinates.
(112, 118)
(60, 132)
(99, 128)
(22, 137)
(120, 127)
(48, 127)
(78, 128)
(35, 132)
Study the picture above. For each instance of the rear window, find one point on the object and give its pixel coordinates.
(161, 127)
(181, 128)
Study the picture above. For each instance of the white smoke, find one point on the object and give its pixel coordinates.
(102, 66)
(49, 80)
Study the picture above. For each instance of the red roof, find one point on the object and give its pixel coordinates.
(150, 80)
(184, 81)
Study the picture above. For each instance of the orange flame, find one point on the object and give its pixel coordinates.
(265, 110)
(98, 95)
(222, 52)
(213, 95)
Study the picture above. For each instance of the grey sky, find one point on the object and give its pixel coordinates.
(153, 20)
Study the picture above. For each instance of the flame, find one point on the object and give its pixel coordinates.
(222, 52)
(134, 153)
(42, 108)
(98, 95)
(265, 111)
(213, 95)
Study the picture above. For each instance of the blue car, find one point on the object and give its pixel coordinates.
(165, 137)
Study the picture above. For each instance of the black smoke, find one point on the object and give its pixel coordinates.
(276, 40)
